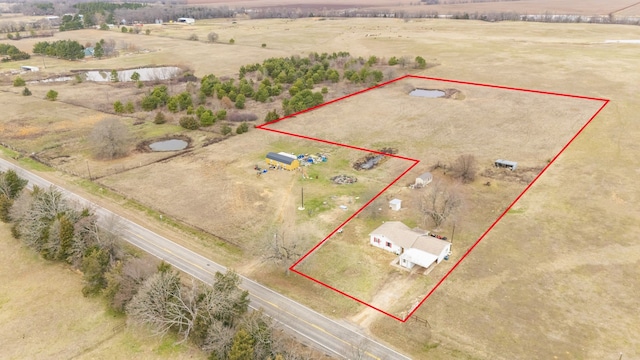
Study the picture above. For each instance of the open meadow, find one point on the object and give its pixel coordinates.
(579, 7)
(45, 316)
(556, 278)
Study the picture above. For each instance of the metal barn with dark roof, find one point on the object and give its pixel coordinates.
(285, 161)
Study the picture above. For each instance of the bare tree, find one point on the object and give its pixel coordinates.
(111, 139)
(125, 278)
(278, 250)
(440, 202)
(164, 303)
(465, 168)
(261, 329)
(212, 37)
(109, 48)
(218, 339)
(155, 302)
(35, 212)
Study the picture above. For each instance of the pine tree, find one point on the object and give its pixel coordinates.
(242, 347)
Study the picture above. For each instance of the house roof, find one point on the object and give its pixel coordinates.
(431, 245)
(395, 201)
(280, 158)
(401, 235)
(426, 176)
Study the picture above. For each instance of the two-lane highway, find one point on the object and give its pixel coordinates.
(309, 326)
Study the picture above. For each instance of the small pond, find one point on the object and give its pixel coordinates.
(427, 93)
(146, 74)
(169, 145)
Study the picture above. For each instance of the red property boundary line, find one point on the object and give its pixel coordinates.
(414, 163)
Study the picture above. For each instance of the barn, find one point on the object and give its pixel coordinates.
(282, 160)
(414, 247)
(423, 180)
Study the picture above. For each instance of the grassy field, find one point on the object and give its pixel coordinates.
(580, 7)
(556, 278)
(45, 316)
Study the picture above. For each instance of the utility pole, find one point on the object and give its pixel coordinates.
(453, 232)
(89, 171)
(302, 199)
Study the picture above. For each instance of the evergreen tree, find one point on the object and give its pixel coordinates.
(18, 82)
(118, 107)
(94, 266)
(242, 347)
(271, 116)
(98, 50)
(66, 238)
(52, 95)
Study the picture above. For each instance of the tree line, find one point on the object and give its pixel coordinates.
(64, 49)
(215, 317)
(12, 53)
(294, 80)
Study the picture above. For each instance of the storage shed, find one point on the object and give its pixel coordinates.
(395, 204)
(511, 165)
(282, 160)
(423, 180)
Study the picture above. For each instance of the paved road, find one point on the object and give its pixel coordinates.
(309, 326)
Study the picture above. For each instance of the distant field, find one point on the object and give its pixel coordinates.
(579, 7)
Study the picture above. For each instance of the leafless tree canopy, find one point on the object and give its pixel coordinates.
(111, 139)
(166, 304)
(212, 37)
(465, 168)
(440, 202)
(280, 249)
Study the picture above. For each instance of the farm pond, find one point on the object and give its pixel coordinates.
(427, 93)
(169, 145)
(146, 74)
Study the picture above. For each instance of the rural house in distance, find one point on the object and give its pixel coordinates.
(414, 247)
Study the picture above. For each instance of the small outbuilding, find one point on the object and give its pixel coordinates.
(282, 160)
(511, 165)
(423, 180)
(187, 20)
(29, 68)
(395, 204)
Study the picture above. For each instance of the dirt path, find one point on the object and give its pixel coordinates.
(393, 290)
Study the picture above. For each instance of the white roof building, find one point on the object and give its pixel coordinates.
(414, 246)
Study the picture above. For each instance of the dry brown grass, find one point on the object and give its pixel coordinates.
(554, 278)
(580, 7)
(45, 316)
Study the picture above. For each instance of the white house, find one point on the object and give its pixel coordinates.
(187, 20)
(414, 246)
(423, 180)
(395, 204)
